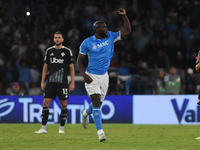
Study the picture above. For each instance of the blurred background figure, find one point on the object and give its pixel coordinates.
(34, 89)
(24, 72)
(173, 82)
(16, 90)
(123, 70)
(159, 86)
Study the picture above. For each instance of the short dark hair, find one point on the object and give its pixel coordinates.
(58, 32)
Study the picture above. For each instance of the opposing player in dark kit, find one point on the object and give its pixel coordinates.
(58, 60)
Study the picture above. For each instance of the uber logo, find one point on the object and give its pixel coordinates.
(56, 61)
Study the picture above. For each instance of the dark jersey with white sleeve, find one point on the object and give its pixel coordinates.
(58, 61)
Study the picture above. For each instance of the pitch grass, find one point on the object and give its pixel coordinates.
(119, 136)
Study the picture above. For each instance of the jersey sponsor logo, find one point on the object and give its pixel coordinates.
(95, 46)
(7, 107)
(56, 61)
(62, 54)
(51, 54)
(103, 44)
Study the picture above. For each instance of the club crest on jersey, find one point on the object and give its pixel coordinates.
(62, 54)
(94, 46)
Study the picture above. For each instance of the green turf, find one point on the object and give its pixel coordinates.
(119, 136)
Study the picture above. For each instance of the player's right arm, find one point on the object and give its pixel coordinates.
(81, 68)
(45, 70)
(83, 50)
(197, 67)
(44, 75)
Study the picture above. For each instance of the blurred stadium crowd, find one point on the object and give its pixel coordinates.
(165, 33)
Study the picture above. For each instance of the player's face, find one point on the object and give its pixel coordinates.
(58, 39)
(103, 30)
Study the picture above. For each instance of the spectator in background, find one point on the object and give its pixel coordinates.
(34, 89)
(173, 82)
(35, 73)
(142, 36)
(187, 30)
(35, 56)
(11, 73)
(24, 73)
(190, 48)
(15, 90)
(43, 45)
(159, 86)
(73, 35)
(123, 70)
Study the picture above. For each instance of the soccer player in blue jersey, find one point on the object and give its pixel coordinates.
(99, 48)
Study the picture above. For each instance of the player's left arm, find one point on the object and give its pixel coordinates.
(197, 67)
(72, 74)
(127, 26)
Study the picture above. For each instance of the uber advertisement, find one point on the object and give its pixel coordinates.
(16, 109)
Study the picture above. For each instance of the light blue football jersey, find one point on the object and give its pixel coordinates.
(99, 52)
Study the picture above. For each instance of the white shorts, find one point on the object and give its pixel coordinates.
(99, 85)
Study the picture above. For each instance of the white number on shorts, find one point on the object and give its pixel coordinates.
(65, 92)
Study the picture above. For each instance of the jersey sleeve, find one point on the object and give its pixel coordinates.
(115, 35)
(83, 48)
(46, 57)
(71, 60)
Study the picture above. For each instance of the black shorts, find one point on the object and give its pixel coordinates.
(56, 89)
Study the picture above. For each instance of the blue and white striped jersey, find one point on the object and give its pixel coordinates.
(99, 52)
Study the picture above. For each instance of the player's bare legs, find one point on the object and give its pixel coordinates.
(45, 115)
(63, 115)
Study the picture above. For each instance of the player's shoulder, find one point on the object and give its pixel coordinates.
(89, 39)
(110, 33)
(50, 49)
(67, 49)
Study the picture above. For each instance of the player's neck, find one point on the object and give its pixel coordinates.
(98, 37)
(58, 47)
